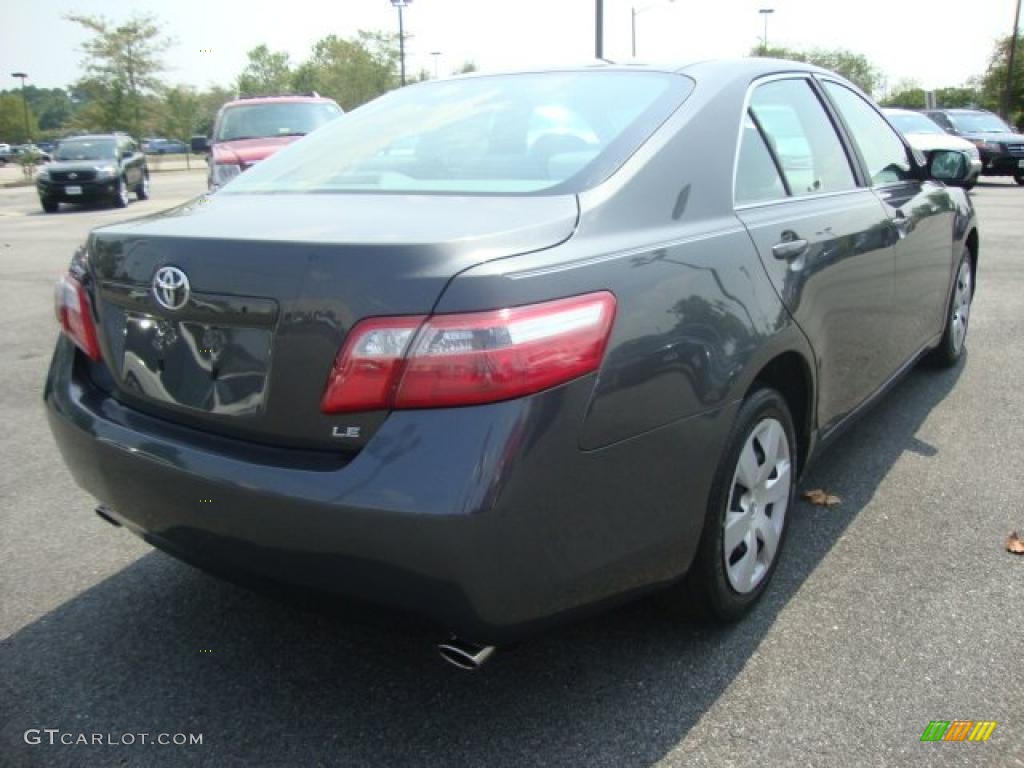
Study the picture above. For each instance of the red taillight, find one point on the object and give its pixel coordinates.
(465, 359)
(71, 303)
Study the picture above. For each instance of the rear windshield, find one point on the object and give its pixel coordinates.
(554, 132)
(260, 121)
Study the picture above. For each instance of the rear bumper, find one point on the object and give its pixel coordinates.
(488, 520)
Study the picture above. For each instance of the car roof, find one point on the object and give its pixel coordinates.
(753, 66)
(962, 110)
(280, 100)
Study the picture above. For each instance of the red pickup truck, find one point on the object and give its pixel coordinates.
(251, 129)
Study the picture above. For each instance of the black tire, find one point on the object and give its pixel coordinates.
(952, 346)
(970, 185)
(707, 585)
(120, 198)
(142, 189)
(50, 206)
(1019, 178)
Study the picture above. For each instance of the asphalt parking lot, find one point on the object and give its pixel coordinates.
(895, 608)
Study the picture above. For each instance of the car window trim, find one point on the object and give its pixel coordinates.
(853, 160)
(771, 153)
(917, 169)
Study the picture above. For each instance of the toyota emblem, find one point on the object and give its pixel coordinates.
(170, 288)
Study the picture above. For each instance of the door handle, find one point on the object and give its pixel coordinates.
(790, 247)
(901, 222)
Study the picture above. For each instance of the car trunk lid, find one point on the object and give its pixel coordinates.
(275, 284)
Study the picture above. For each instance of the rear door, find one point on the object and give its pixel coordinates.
(921, 213)
(823, 238)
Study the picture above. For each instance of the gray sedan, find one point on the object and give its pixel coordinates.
(500, 350)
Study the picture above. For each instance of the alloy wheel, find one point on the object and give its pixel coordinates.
(758, 501)
(961, 309)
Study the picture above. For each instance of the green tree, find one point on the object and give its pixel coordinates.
(124, 62)
(853, 66)
(268, 72)
(12, 119)
(352, 71)
(906, 93)
(993, 82)
(181, 112)
(467, 66)
(210, 101)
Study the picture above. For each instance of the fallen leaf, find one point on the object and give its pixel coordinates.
(821, 498)
(1015, 543)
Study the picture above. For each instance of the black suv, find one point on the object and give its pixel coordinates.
(89, 168)
(1001, 148)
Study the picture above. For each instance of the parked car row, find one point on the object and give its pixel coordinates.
(12, 154)
(158, 146)
(994, 148)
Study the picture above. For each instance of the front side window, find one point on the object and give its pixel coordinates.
(512, 134)
(802, 137)
(883, 151)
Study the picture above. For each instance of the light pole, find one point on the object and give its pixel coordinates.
(401, 4)
(24, 100)
(765, 12)
(598, 29)
(634, 12)
(437, 57)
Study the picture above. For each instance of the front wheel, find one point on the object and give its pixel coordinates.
(121, 194)
(49, 205)
(958, 315)
(1019, 178)
(142, 190)
(750, 499)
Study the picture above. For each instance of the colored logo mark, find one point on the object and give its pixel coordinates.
(958, 730)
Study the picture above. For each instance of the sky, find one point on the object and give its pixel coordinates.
(935, 42)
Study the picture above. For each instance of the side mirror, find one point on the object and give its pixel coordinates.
(948, 165)
(200, 144)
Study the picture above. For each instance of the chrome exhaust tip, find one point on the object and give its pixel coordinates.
(468, 656)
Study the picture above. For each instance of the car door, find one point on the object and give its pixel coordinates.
(921, 212)
(133, 163)
(823, 237)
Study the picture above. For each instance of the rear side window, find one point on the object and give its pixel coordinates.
(757, 176)
(882, 149)
(802, 138)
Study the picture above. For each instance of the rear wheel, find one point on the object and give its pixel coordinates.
(121, 194)
(1019, 178)
(750, 499)
(49, 205)
(958, 315)
(142, 190)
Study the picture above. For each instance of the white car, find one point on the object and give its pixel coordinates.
(926, 135)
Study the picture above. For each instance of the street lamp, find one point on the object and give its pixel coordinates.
(765, 12)
(634, 12)
(400, 4)
(24, 100)
(437, 56)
